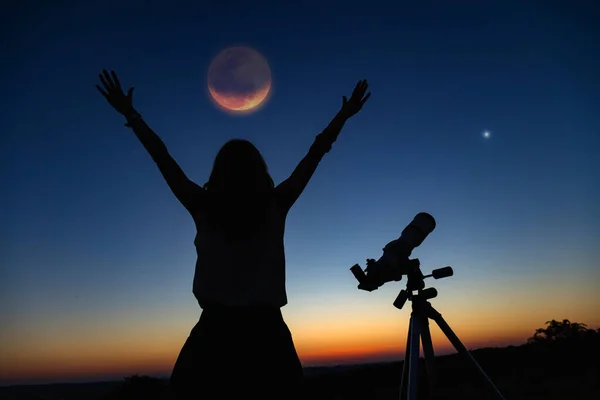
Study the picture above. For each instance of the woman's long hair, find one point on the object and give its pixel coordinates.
(239, 190)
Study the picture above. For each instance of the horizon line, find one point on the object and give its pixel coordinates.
(163, 376)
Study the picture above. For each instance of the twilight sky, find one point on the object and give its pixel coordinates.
(97, 255)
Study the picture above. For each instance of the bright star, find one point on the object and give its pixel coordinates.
(486, 134)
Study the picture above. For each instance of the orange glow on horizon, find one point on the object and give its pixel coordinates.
(159, 361)
(349, 329)
(65, 366)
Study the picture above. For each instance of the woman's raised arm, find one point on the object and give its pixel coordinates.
(289, 190)
(186, 191)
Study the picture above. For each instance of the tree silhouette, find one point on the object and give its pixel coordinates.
(559, 331)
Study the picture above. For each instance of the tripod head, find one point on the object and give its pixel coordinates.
(415, 285)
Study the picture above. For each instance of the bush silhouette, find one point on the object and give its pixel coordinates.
(563, 348)
(562, 331)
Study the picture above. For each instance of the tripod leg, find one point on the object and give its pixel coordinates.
(428, 353)
(437, 317)
(413, 366)
(405, 367)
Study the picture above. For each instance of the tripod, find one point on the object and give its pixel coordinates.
(418, 330)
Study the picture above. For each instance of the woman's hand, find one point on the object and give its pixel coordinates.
(357, 100)
(113, 93)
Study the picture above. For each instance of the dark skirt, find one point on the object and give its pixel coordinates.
(235, 353)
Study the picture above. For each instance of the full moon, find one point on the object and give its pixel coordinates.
(239, 79)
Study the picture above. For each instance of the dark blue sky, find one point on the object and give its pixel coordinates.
(89, 225)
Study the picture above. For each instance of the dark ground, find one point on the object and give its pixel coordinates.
(564, 371)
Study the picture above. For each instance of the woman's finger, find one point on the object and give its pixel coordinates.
(364, 100)
(106, 85)
(115, 79)
(360, 88)
(102, 92)
(108, 79)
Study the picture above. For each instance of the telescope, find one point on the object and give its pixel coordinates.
(392, 266)
(394, 263)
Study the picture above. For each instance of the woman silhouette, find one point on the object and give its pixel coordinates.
(241, 346)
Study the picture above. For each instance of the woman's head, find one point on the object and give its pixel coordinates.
(240, 189)
(239, 167)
